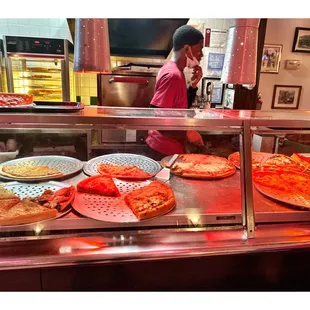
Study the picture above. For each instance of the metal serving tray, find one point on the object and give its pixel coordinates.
(46, 107)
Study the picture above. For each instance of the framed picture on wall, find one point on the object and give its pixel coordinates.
(286, 97)
(271, 58)
(215, 61)
(301, 40)
(229, 97)
(216, 86)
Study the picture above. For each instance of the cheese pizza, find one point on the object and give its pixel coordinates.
(25, 212)
(123, 172)
(257, 158)
(10, 99)
(203, 166)
(288, 183)
(28, 172)
(303, 160)
(280, 159)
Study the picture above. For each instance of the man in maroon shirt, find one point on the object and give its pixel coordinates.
(171, 91)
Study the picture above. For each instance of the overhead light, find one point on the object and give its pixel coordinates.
(241, 53)
(92, 46)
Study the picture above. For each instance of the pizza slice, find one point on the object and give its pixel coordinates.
(100, 185)
(271, 180)
(152, 200)
(202, 159)
(303, 160)
(178, 168)
(209, 167)
(28, 172)
(26, 212)
(280, 168)
(124, 172)
(280, 159)
(7, 204)
(12, 99)
(6, 194)
(257, 158)
(299, 183)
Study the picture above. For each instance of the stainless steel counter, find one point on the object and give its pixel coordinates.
(200, 204)
(125, 246)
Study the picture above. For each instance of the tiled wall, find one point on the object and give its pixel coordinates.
(36, 27)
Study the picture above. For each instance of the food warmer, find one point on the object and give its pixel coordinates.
(39, 66)
(226, 218)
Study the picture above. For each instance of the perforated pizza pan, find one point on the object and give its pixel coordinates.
(66, 165)
(295, 200)
(23, 190)
(109, 209)
(146, 164)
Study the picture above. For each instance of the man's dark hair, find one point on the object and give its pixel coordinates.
(186, 35)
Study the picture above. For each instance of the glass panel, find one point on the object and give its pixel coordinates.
(72, 82)
(200, 202)
(281, 181)
(3, 81)
(39, 77)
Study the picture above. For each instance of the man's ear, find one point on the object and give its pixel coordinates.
(186, 48)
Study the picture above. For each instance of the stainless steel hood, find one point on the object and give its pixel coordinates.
(140, 37)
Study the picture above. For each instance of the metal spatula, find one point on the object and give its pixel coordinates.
(164, 174)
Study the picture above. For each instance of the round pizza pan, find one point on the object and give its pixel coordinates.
(293, 199)
(109, 209)
(29, 190)
(146, 164)
(259, 156)
(66, 165)
(166, 159)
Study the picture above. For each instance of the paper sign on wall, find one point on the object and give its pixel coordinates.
(215, 38)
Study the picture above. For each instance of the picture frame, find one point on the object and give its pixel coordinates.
(216, 61)
(286, 97)
(218, 90)
(229, 98)
(271, 58)
(301, 42)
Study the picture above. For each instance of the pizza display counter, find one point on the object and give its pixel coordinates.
(214, 209)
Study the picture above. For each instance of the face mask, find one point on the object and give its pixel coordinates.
(191, 63)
